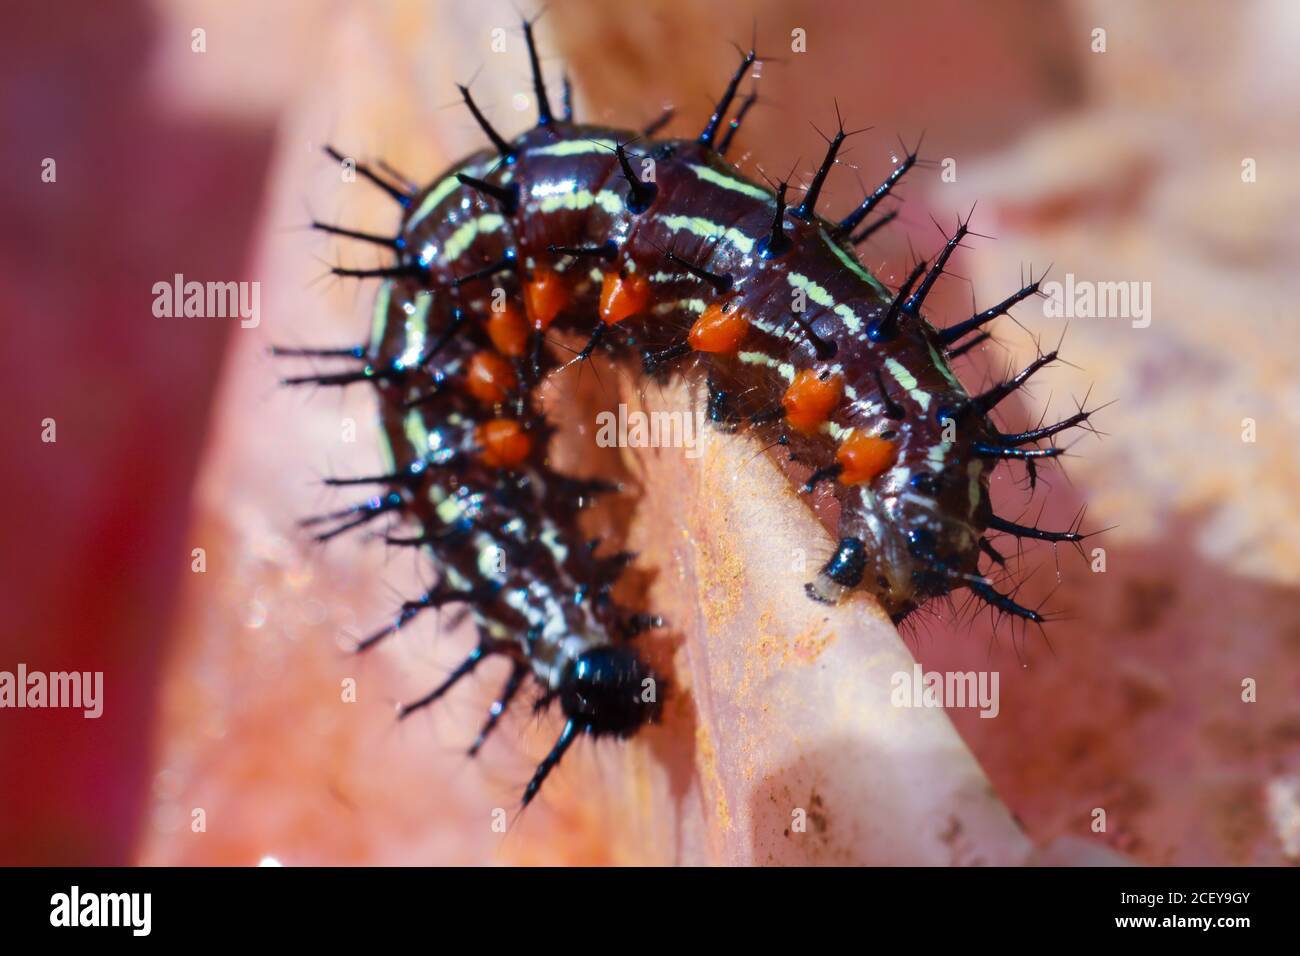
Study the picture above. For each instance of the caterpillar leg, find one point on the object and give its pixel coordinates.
(465, 667)
(562, 744)
(498, 708)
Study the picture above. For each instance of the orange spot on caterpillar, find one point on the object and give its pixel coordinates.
(489, 377)
(545, 296)
(864, 457)
(622, 296)
(508, 330)
(504, 443)
(719, 329)
(809, 399)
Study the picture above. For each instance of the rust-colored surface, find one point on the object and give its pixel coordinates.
(227, 689)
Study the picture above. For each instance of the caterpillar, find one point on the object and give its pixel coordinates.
(658, 254)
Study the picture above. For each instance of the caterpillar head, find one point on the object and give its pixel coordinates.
(909, 539)
(609, 690)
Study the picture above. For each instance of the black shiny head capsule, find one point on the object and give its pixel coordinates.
(609, 690)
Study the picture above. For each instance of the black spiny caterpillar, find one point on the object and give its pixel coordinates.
(694, 270)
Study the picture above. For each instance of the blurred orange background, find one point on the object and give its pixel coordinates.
(1117, 164)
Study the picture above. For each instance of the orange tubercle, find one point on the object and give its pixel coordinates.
(508, 330)
(489, 377)
(864, 457)
(546, 295)
(622, 296)
(719, 329)
(505, 443)
(809, 400)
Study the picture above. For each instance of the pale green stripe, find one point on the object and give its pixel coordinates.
(908, 381)
(440, 192)
(706, 229)
(762, 358)
(464, 237)
(433, 200)
(711, 175)
(379, 317)
(581, 199)
(449, 510)
(417, 331)
(758, 358)
(944, 370)
(836, 431)
(416, 433)
(973, 471)
(815, 292)
(850, 318)
(575, 147)
(689, 305)
(853, 265)
(823, 298)
(901, 374)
